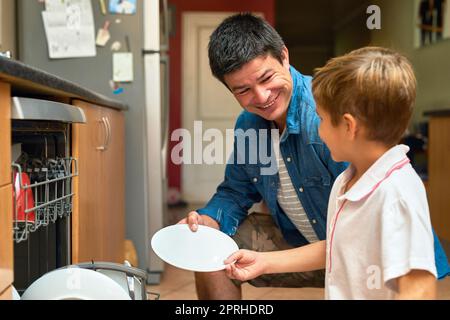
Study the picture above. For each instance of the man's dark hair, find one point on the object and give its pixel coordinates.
(240, 39)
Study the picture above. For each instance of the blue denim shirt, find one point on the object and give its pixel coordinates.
(307, 160)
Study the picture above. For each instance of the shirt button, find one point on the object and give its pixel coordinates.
(255, 180)
(314, 221)
(301, 190)
(288, 159)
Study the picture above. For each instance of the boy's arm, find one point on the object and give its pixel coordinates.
(250, 264)
(417, 284)
(302, 259)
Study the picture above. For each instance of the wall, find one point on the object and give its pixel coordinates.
(306, 29)
(350, 31)
(431, 63)
(8, 26)
(180, 6)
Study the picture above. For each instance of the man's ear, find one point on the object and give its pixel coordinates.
(285, 57)
(351, 125)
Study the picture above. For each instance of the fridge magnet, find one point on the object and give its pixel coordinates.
(116, 89)
(116, 46)
(122, 6)
(103, 7)
(103, 35)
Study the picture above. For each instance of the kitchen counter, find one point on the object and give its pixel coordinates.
(27, 79)
(438, 113)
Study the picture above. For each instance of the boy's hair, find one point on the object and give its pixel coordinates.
(239, 39)
(375, 85)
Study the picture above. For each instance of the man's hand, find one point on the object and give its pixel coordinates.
(245, 265)
(193, 219)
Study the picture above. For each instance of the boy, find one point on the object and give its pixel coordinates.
(379, 238)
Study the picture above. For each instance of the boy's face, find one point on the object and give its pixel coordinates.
(263, 86)
(335, 137)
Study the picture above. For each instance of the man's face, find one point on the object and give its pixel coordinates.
(263, 86)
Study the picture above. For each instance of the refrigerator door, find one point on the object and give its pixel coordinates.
(155, 131)
(151, 26)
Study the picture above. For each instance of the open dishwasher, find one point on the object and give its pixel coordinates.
(43, 172)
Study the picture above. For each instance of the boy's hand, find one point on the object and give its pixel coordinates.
(244, 265)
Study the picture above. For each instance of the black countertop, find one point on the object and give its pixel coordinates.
(27, 79)
(438, 113)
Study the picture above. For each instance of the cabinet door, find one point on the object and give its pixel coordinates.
(6, 238)
(439, 175)
(7, 294)
(5, 134)
(87, 223)
(113, 194)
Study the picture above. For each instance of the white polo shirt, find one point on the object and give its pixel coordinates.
(378, 230)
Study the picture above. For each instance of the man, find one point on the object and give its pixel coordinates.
(249, 57)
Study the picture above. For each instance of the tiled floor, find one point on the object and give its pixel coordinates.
(177, 284)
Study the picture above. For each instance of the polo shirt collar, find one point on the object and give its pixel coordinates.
(393, 159)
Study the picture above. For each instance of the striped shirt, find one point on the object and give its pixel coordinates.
(288, 198)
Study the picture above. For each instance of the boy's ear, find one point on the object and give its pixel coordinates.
(351, 125)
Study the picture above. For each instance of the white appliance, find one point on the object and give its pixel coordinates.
(157, 123)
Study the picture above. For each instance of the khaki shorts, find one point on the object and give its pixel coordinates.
(258, 232)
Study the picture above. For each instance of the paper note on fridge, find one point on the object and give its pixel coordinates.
(123, 67)
(69, 28)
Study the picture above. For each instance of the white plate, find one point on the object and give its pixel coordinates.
(74, 284)
(200, 251)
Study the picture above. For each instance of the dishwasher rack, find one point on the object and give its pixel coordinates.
(42, 193)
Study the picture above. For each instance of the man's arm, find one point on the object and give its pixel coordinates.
(417, 284)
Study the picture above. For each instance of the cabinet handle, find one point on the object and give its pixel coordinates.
(105, 126)
(109, 132)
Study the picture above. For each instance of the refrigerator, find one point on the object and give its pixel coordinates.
(147, 97)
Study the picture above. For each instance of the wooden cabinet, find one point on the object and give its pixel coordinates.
(7, 294)
(6, 238)
(5, 134)
(439, 174)
(98, 220)
(113, 192)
